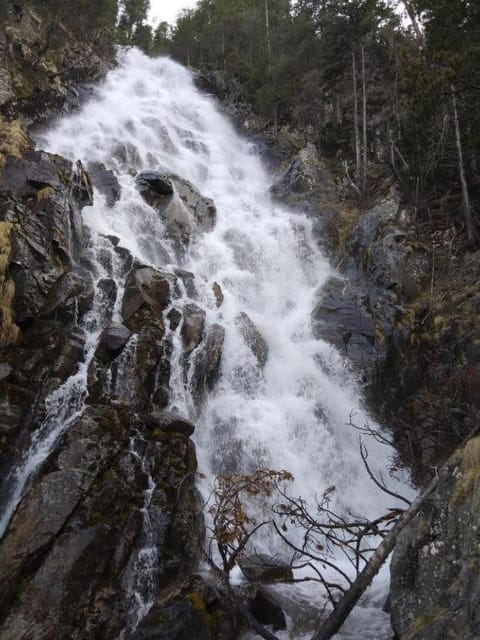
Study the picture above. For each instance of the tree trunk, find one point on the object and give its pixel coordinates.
(472, 235)
(413, 19)
(364, 123)
(356, 127)
(269, 44)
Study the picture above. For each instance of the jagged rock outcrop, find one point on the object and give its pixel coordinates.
(44, 294)
(68, 559)
(307, 185)
(185, 211)
(435, 582)
(72, 555)
(40, 85)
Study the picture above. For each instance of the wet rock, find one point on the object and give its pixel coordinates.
(71, 354)
(161, 132)
(161, 397)
(188, 280)
(203, 209)
(96, 485)
(5, 371)
(67, 288)
(25, 177)
(435, 581)
(192, 327)
(145, 287)
(115, 337)
(154, 183)
(47, 235)
(128, 157)
(108, 288)
(6, 89)
(218, 293)
(170, 422)
(14, 403)
(105, 181)
(266, 611)
(264, 568)
(253, 338)
(192, 608)
(185, 211)
(206, 368)
(174, 316)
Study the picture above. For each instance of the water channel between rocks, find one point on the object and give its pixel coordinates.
(285, 404)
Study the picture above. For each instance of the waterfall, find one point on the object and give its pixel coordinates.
(292, 411)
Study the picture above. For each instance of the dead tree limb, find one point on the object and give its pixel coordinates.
(335, 620)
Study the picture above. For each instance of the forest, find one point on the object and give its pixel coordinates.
(374, 83)
(371, 87)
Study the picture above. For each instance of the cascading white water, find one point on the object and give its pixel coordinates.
(66, 403)
(140, 575)
(292, 415)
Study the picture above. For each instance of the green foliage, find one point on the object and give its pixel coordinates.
(132, 26)
(297, 68)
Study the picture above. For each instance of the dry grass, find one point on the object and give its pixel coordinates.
(471, 454)
(9, 332)
(14, 141)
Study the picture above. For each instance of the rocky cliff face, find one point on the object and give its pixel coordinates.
(118, 483)
(39, 78)
(435, 584)
(107, 517)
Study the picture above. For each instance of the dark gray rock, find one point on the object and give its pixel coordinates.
(115, 337)
(253, 338)
(435, 585)
(206, 367)
(188, 280)
(185, 211)
(263, 568)
(192, 327)
(174, 316)
(307, 172)
(154, 183)
(5, 370)
(170, 422)
(268, 612)
(161, 397)
(71, 354)
(105, 181)
(146, 287)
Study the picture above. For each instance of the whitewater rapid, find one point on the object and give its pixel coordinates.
(295, 413)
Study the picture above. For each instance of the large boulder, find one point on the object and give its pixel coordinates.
(193, 326)
(185, 211)
(263, 568)
(252, 338)
(146, 288)
(206, 367)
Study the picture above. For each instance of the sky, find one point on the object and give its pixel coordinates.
(168, 9)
